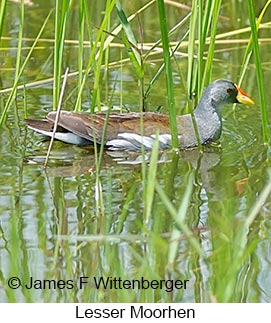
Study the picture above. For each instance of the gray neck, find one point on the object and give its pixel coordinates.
(208, 118)
(208, 105)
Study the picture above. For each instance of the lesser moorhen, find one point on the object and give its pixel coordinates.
(124, 130)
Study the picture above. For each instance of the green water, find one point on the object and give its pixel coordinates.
(67, 222)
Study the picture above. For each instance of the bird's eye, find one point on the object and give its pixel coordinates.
(229, 90)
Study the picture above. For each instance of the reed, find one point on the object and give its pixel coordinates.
(61, 14)
(82, 11)
(3, 5)
(168, 71)
(203, 27)
(259, 73)
(96, 55)
(20, 70)
(20, 36)
(135, 55)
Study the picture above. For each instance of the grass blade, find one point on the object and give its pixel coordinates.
(130, 41)
(179, 215)
(14, 88)
(95, 56)
(150, 185)
(169, 78)
(61, 13)
(2, 14)
(259, 72)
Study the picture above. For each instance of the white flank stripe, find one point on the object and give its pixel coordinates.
(132, 141)
(67, 137)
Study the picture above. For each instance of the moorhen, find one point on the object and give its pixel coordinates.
(124, 130)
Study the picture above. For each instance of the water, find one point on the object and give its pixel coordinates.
(52, 223)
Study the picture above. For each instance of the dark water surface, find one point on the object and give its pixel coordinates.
(66, 221)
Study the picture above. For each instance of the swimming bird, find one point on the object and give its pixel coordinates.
(124, 131)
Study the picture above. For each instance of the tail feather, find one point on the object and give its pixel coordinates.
(42, 125)
(46, 127)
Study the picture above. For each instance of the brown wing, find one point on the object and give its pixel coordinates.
(43, 125)
(90, 126)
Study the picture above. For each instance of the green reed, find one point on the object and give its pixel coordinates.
(259, 73)
(95, 58)
(168, 71)
(130, 42)
(20, 36)
(203, 23)
(134, 53)
(20, 68)
(61, 14)
(82, 12)
(3, 5)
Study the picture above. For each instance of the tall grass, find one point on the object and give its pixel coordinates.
(61, 14)
(20, 40)
(259, 73)
(96, 56)
(133, 51)
(168, 70)
(107, 235)
(83, 11)
(203, 26)
(20, 69)
(2, 15)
